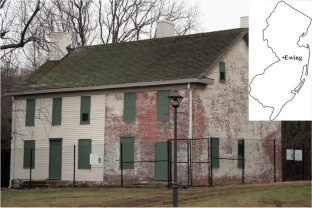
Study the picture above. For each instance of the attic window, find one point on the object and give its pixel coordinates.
(222, 72)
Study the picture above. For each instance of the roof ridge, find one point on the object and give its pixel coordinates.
(163, 38)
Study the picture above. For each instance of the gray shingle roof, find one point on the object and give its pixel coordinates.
(170, 58)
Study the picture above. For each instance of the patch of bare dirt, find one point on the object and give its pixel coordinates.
(292, 183)
(276, 202)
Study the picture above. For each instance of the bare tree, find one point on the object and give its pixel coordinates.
(89, 22)
(17, 37)
(136, 19)
(296, 131)
(11, 75)
(82, 22)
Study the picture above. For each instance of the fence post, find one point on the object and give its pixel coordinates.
(170, 161)
(274, 163)
(188, 161)
(283, 163)
(30, 166)
(191, 167)
(303, 168)
(168, 158)
(243, 160)
(121, 164)
(74, 164)
(211, 162)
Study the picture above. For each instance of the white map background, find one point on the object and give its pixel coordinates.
(260, 57)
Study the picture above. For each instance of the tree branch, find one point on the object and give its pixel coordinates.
(22, 40)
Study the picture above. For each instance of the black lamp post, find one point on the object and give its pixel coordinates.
(175, 99)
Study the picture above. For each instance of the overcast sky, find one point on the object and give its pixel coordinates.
(223, 14)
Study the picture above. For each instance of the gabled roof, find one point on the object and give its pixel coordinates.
(171, 58)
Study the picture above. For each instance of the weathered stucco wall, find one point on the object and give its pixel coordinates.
(220, 110)
(146, 130)
(70, 131)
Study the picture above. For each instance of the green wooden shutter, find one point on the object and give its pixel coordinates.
(222, 72)
(129, 107)
(84, 151)
(55, 158)
(57, 111)
(127, 152)
(163, 106)
(240, 153)
(29, 145)
(30, 112)
(215, 152)
(161, 160)
(85, 110)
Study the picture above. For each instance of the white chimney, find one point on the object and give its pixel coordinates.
(58, 43)
(164, 28)
(244, 22)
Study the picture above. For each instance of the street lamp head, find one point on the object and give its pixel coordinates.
(175, 98)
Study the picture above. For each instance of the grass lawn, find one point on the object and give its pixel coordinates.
(289, 194)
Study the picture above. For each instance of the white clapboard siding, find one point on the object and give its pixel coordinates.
(41, 133)
(70, 131)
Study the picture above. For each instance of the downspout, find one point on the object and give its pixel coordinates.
(190, 133)
(12, 143)
(191, 113)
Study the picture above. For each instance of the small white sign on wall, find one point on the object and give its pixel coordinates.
(289, 154)
(298, 155)
(96, 159)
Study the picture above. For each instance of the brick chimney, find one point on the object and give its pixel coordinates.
(58, 43)
(164, 28)
(244, 22)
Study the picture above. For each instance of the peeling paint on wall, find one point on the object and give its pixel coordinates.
(219, 111)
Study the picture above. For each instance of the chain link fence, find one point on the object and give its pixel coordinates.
(248, 161)
(129, 162)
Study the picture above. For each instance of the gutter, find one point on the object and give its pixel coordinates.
(206, 81)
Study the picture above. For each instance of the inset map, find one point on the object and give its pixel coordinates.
(281, 72)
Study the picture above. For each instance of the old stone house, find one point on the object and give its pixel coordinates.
(97, 97)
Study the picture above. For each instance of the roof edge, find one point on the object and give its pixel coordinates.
(206, 81)
(224, 54)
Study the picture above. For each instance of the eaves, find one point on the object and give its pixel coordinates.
(196, 83)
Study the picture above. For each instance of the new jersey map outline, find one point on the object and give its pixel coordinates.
(284, 78)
